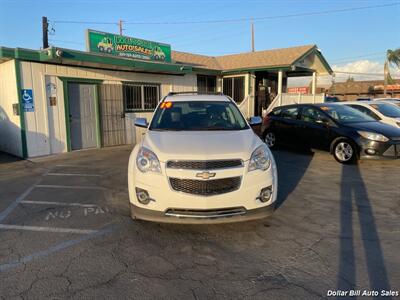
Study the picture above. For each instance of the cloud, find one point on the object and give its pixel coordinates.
(371, 70)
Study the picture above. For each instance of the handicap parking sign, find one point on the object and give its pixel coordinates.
(27, 100)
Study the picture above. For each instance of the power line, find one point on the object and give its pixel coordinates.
(359, 56)
(232, 20)
(66, 42)
(359, 73)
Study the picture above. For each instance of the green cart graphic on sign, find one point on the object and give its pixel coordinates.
(113, 44)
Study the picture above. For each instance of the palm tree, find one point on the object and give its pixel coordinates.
(392, 58)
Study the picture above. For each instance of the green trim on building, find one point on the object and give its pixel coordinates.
(86, 59)
(315, 51)
(95, 82)
(247, 70)
(61, 56)
(66, 109)
(97, 112)
(21, 109)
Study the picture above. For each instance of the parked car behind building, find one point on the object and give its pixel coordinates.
(395, 101)
(347, 133)
(382, 111)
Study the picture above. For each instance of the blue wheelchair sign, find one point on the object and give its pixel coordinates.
(27, 100)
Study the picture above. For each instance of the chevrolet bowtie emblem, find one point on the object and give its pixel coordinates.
(205, 175)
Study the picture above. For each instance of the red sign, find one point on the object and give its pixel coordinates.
(389, 87)
(298, 90)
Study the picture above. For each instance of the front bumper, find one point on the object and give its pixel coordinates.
(228, 215)
(388, 150)
(168, 204)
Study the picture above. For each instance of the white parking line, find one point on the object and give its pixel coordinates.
(73, 174)
(46, 229)
(70, 187)
(15, 203)
(58, 203)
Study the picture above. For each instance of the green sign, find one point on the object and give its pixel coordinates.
(114, 44)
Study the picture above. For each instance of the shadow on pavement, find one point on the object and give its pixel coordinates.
(291, 168)
(353, 191)
(7, 158)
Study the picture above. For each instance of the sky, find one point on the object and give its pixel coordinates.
(351, 40)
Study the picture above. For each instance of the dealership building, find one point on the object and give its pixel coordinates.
(58, 100)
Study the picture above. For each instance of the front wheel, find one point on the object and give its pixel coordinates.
(270, 139)
(345, 152)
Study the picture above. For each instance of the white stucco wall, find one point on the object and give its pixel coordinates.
(10, 130)
(46, 129)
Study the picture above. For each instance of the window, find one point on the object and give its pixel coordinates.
(206, 84)
(199, 116)
(141, 96)
(290, 113)
(366, 111)
(345, 114)
(311, 115)
(234, 87)
(387, 110)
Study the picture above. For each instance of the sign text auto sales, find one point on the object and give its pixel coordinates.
(131, 44)
(118, 45)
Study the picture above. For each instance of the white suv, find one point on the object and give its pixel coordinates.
(200, 162)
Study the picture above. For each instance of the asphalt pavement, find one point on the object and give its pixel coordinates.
(65, 232)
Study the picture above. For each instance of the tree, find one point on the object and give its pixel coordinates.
(392, 58)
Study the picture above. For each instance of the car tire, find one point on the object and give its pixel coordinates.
(269, 139)
(345, 151)
(101, 49)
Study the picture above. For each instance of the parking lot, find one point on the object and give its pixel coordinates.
(65, 232)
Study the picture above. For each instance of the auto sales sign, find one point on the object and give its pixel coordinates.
(119, 45)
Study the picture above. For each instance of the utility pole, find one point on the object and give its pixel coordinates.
(252, 35)
(120, 27)
(45, 32)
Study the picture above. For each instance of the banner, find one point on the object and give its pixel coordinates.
(119, 45)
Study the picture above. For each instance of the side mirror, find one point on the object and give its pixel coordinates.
(141, 122)
(254, 121)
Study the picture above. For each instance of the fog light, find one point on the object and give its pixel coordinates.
(265, 194)
(143, 196)
(370, 151)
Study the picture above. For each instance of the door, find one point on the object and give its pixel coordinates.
(285, 125)
(82, 115)
(112, 115)
(313, 129)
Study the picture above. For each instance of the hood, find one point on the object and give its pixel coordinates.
(201, 145)
(378, 127)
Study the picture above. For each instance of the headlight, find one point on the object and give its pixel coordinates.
(147, 161)
(260, 159)
(373, 136)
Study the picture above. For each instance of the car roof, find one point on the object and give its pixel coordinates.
(307, 104)
(387, 99)
(199, 97)
(357, 102)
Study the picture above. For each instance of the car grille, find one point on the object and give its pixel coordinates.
(205, 213)
(204, 164)
(206, 187)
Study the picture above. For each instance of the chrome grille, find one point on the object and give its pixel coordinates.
(205, 213)
(204, 164)
(206, 187)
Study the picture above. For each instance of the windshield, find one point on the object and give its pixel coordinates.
(198, 116)
(345, 114)
(387, 110)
